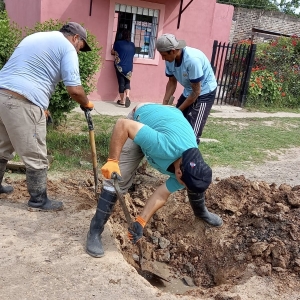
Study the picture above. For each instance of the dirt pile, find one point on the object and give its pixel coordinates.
(260, 235)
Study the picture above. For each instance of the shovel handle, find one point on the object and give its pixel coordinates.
(89, 120)
(88, 117)
(115, 177)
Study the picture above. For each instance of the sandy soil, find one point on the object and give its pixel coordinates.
(254, 255)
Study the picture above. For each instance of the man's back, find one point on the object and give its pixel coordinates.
(166, 136)
(194, 67)
(39, 62)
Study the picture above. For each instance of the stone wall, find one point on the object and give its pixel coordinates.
(245, 19)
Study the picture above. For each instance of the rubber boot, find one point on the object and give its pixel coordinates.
(197, 201)
(105, 206)
(4, 189)
(37, 188)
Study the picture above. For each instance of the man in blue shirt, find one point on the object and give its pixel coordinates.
(191, 68)
(27, 82)
(166, 139)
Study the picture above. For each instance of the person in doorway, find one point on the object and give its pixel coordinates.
(191, 68)
(27, 82)
(124, 51)
(166, 139)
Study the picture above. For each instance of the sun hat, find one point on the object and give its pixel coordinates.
(196, 174)
(168, 42)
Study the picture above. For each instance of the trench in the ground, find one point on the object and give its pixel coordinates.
(260, 235)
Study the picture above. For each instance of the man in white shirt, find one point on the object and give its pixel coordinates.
(27, 82)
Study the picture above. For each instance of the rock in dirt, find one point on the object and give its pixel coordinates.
(265, 270)
(188, 281)
(293, 198)
(227, 296)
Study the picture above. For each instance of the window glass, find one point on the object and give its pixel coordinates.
(142, 23)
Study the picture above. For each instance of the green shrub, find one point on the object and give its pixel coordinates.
(275, 76)
(264, 89)
(89, 63)
(2, 5)
(11, 35)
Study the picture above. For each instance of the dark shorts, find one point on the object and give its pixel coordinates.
(198, 112)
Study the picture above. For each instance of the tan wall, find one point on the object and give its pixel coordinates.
(244, 19)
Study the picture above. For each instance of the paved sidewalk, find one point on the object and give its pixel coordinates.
(109, 108)
(221, 111)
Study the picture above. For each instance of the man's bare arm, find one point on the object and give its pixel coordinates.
(78, 94)
(170, 89)
(196, 90)
(123, 129)
(155, 202)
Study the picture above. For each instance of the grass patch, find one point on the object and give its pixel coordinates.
(241, 142)
(248, 141)
(69, 144)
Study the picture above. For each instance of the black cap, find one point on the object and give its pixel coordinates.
(197, 175)
(76, 28)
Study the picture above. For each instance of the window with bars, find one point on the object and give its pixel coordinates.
(142, 23)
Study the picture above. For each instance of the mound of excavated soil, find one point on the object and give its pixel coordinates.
(260, 235)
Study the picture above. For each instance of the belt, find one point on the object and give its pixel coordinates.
(13, 94)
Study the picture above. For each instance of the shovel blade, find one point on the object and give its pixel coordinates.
(149, 271)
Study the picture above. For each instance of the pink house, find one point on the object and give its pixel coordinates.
(198, 22)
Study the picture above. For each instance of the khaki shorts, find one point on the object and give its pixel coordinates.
(22, 130)
(130, 159)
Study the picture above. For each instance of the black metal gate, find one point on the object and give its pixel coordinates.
(232, 64)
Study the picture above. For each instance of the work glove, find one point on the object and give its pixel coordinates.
(111, 166)
(89, 106)
(135, 233)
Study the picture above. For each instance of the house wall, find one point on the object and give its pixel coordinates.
(222, 22)
(201, 23)
(24, 13)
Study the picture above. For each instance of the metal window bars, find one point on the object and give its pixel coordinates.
(142, 23)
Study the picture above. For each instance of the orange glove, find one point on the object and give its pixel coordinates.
(112, 165)
(135, 233)
(48, 117)
(89, 106)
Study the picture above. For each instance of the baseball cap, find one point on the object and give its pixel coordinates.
(196, 174)
(168, 42)
(76, 28)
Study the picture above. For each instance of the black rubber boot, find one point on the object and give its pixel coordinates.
(197, 201)
(105, 206)
(4, 189)
(37, 188)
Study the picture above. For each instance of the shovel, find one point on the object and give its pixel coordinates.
(147, 270)
(89, 120)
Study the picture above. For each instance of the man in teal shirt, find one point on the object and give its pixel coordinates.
(163, 135)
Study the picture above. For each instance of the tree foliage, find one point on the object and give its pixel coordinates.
(286, 6)
(2, 5)
(11, 35)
